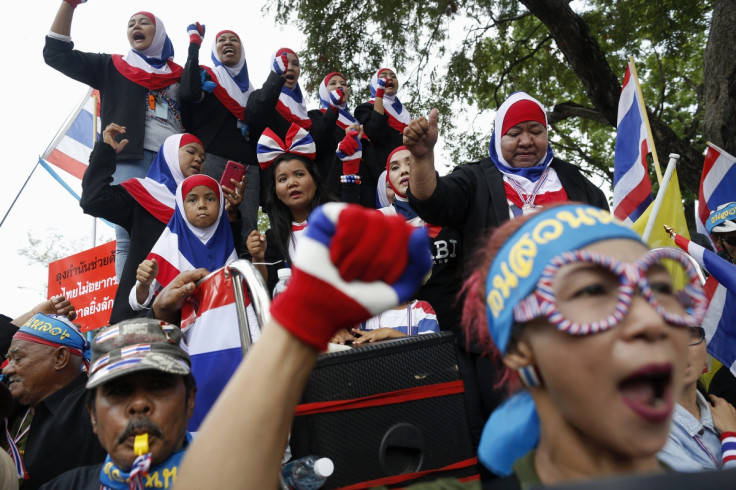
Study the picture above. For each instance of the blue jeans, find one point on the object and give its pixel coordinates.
(124, 170)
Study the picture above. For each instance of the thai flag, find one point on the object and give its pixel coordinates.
(632, 189)
(210, 323)
(717, 184)
(720, 331)
(73, 144)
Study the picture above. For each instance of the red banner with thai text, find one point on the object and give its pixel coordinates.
(88, 281)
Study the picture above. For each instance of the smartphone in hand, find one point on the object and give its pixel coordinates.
(233, 170)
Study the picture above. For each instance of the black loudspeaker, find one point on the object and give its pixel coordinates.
(389, 413)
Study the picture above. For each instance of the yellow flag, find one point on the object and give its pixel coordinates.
(671, 213)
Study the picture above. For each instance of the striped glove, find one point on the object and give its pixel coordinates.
(353, 263)
(350, 151)
(196, 33)
(337, 98)
(381, 88)
(280, 64)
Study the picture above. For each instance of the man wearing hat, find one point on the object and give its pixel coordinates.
(721, 225)
(140, 398)
(48, 431)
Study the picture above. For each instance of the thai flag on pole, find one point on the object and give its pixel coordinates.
(210, 323)
(720, 329)
(73, 144)
(717, 184)
(632, 189)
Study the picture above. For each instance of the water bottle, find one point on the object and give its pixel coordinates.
(307, 473)
(284, 276)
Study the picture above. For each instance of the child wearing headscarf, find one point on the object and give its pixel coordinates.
(138, 90)
(221, 106)
(143, 206)
(198, 235)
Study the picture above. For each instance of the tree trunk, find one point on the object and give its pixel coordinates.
(719, 74)
(581, 50)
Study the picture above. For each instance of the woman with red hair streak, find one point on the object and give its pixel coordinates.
(138, 90)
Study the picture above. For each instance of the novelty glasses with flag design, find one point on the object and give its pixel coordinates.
(596, 291)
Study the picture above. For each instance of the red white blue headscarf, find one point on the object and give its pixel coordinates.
(156, 191)
(398, 116)
(520, 107)
(154, 67)
(297, 141)
(381, 195)
(56, 331)
(344, 117)
(183, 246)
(233, 85)
(291, 103)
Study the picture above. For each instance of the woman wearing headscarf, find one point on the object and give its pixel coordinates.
(138, 90)
(142, 206)
(521, 173)
(222, 108)
(198, 235)
(384, 117)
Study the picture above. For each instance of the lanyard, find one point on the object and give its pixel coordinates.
(20, 468)
(528, 202)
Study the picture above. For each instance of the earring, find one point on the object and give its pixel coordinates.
(530, 376)
(705, 369)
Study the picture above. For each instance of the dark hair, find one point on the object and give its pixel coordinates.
(279, 214)
(190, 384)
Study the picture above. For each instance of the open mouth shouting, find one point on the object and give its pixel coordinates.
(648, 392)
(139, 36)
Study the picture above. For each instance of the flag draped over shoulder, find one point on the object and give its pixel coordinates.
(632, 189)
(210, 323)
(719, 324)
(73, 144)
(717, 184)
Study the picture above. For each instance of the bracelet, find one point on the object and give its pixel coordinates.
(350, 179)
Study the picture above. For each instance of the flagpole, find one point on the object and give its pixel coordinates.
(19, 193)
(645, 118)
(660, 196)
(94, 140)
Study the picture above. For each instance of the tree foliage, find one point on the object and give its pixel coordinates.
(466, 56)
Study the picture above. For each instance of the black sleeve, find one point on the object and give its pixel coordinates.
(375, 125)
(450, 202)
(262, 103)
(87, 68)
(100, 198)
(7, 330)
(190, 86)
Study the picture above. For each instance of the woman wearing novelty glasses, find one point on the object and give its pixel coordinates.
(588, 320)
(578, 310)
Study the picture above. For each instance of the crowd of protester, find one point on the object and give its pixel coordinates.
(579, 357)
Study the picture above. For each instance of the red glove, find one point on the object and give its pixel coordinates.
(353, 263)
(381, 88)
(350, 151)
(196, 33)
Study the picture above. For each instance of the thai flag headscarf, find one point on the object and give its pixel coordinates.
(156, 191)
(154, 67)
(233, 85)
(398, 116)
(291, 103)
(401, 202)
(381, 195)
(344, 118)
(183, 246)
(296, 141)
(520, 107)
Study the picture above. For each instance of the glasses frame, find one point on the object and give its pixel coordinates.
(632, 277)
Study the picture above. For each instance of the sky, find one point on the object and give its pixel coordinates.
(38, 99)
